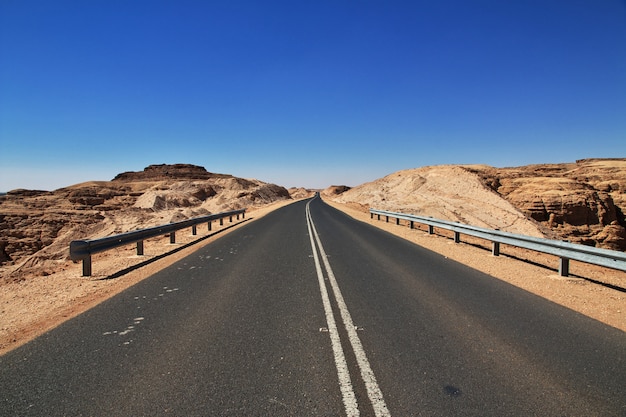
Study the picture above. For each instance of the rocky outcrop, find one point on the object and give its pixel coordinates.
(168, 172)
(445, 192)
(20, 192)
(583, 202)
(37, 226)
(301, 192)
(335, 190)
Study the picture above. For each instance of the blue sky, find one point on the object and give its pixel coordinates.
(305, 93)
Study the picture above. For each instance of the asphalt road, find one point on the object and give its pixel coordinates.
(308, 312)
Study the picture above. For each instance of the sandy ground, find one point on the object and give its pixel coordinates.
(35, 305)
(31, 307)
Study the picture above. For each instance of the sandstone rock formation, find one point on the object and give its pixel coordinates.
(37, 226)
(165, 172)
(336, 190)
(583, 202)
(444, 192)
(301, 192)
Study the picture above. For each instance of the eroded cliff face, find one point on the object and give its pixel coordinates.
(37, 226)
(447, 192)
(583, 202)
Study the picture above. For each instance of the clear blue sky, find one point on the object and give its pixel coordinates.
(305, 93)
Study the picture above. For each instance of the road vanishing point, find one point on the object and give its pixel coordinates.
(308, 312)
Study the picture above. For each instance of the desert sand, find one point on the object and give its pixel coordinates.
(41, 287)
(30, 307)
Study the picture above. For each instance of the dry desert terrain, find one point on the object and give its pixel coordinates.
(41, 287)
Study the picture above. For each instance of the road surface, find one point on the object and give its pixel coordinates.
(307, 312)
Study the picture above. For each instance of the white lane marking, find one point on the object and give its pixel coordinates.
(373, 390)
(345, 384)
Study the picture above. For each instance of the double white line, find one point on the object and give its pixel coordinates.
(345, 383)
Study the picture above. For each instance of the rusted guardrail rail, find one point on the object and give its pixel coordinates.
(564, 250)
(81, 250)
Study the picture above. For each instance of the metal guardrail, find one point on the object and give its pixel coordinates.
(564, 250)
(83, 249)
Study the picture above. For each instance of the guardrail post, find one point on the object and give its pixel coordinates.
(87, 266)
(564, 267)
(371, 215)
(194, 230)
(378, 216)
(397, 221)
(431, 229)
(230, 218)
(411, 225)
(172, 237)
(387, 221)
(209, 225)
(221, 221)
(457, 237)
(140, 247)
(243, 215)
(495, 248)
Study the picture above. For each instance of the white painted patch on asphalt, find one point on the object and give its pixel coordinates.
(129, 329)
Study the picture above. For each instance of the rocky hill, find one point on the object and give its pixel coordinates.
(165, 172)
(583, 202)
(37, 226)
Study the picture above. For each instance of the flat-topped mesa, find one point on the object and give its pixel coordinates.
(169, 171)
(21, 192)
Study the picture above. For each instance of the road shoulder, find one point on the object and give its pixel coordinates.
(605, 303)
(31, 307)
